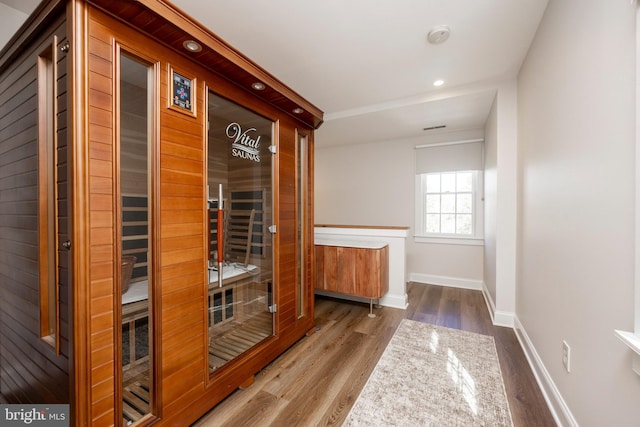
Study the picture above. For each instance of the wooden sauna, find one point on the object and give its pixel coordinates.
(156, 246)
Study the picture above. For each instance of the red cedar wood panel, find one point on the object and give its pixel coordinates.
(309, 232)
(29, 370)
(184, 362)
(101, 233)
(287, 231)
(180, 151)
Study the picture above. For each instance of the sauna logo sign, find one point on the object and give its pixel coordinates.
(246, 145)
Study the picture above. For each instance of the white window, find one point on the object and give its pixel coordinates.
(448, 195)
(448, 205)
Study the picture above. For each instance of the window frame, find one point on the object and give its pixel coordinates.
(477, 236)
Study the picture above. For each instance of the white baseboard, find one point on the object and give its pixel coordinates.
(395, 301)
(491, 306)
(453, 282)
(503, 318)
(498, 317)
(555, 402)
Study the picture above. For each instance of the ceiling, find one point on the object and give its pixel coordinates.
(26, 6)
(367, 64)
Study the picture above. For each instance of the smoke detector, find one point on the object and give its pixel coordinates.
(438, 34)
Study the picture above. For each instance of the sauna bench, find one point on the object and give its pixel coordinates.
(135, 302)
(356, 268)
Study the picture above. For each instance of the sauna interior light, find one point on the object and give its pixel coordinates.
(298, 110)
(192, 46)
(258, 86)
(438, 82)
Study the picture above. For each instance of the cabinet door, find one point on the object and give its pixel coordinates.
(346, 270)
(318, 254)
(368, 272)
(372, 272)
(329, 279)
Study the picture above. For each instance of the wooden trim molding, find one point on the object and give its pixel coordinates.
(47, 195)
(370, 227)
(174, 26)
(191, 26)
(78, 95)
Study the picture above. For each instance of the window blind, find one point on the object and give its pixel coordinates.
(449, 157)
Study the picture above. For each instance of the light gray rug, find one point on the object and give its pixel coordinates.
(434, 376)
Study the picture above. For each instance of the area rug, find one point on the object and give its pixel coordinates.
(434, 376)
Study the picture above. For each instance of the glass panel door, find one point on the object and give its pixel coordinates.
(240, 297)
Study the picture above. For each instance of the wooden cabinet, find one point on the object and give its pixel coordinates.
(350, 270)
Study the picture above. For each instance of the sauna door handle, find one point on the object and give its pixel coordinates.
(220, 235)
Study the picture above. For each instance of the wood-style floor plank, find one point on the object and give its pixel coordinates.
(317, 380)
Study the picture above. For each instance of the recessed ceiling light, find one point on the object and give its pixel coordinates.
(298, 110)
(258, 86)
(438, 82)
(438, 34)
(192, 46)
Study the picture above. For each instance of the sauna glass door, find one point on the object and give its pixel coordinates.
(240, 251)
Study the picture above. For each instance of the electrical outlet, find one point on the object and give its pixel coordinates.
(566, 356)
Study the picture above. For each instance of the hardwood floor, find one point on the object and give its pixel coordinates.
(317, 381)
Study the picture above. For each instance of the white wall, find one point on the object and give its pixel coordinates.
(12, 19)
(500, 207)
(506, 202)
(373, 184)
(576, 107)
(490, 201)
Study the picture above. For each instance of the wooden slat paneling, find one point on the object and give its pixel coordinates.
(102, 326)
(30, 371)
